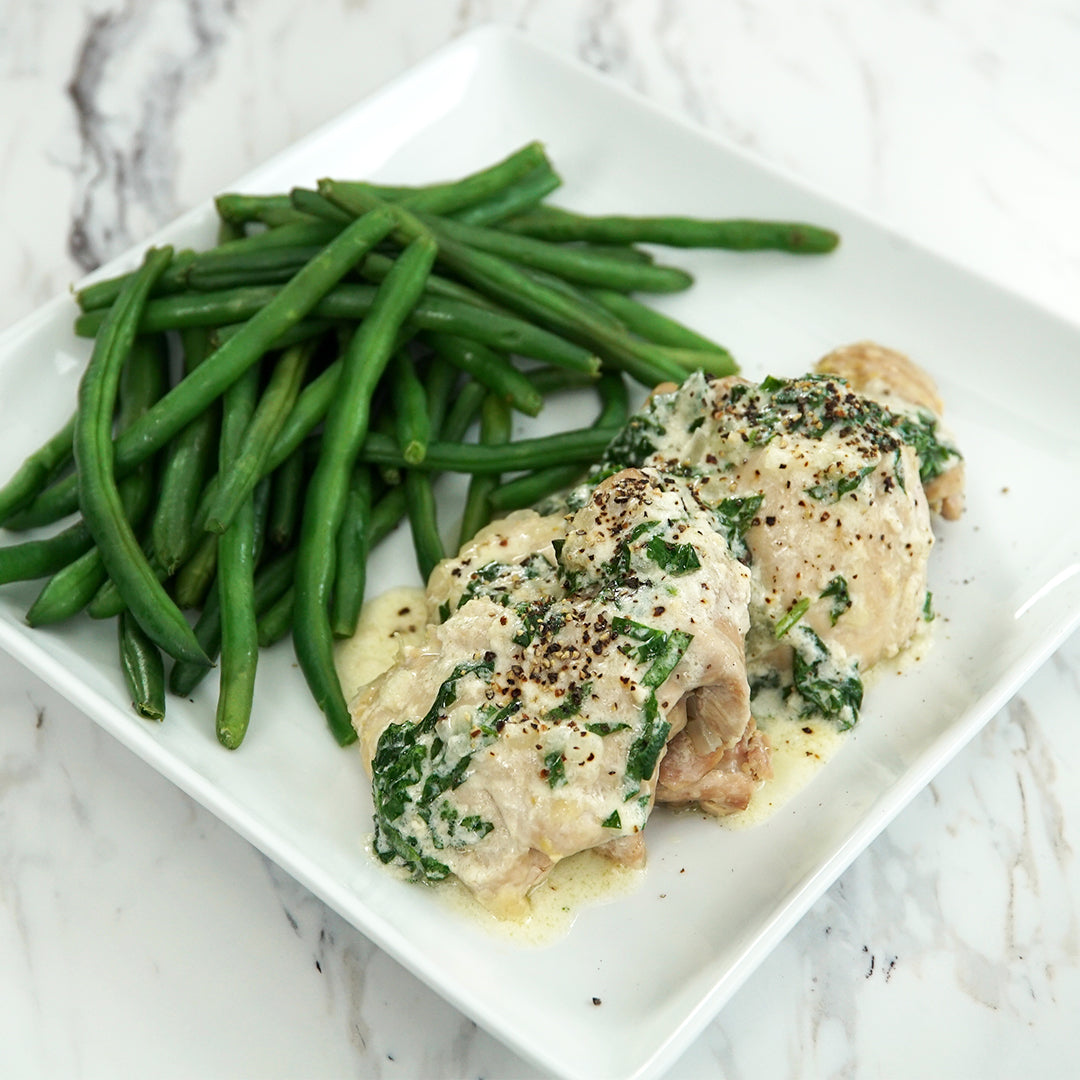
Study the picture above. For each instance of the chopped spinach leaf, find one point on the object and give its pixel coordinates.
(612, 821)
(734, 516)
(571, 706)
(674, 558)
(645, 750)
(928, 607)
(837, 589)
(605, 727)
(826, 689)
(663, 649)
(411, 767)
(835, 488)
(555, 768)
(632, 445)
(476, 824)
(791, 617)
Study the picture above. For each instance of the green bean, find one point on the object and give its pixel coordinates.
(439, 382)
(308, 412)
(107, 602)
(35, 472)
(386, 514)
(579, 265)
(265, 257)
(99, 499)
(509, 285)
(287, 482)
(377, 265)
(276, 621)
(102, 293)
(305, 330)
(352, 552)
(711, 360)
(184, 677)
(265, 324)
(494, 431)
(351, 303)
(268, 209)
(614, 401)
(188, 459)
(423, 521)
(464, 410)
(236, 574)
(619, 251)
(346, 424)
(300, 234)
(410, 408)
(514, 199)
(454, 195)
(70, 589)
(315, 399)
(260, 498)
(143, 668)
(311, 202)
(39, 558)
(386, 424)
(561, 449)
(247, 464)
(269, 267)
(736, 234)
(486, 366)
(194, 579)
(551, 380)
(228, 231)
(576, 294)
(531, 487)
(652, 324)
(271, 581)
(287, 307)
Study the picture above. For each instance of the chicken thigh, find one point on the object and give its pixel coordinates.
(530, 724)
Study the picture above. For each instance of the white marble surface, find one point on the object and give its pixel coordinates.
(140, 937)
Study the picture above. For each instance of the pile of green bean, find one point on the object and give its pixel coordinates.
(256, 417)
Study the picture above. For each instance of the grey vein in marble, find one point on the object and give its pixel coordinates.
(133, 70)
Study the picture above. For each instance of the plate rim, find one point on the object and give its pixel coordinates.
(393, 940)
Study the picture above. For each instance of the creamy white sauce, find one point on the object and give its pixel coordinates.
(578, 882)
(800, 746)
(388, 621)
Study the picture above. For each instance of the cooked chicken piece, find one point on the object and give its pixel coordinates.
(893, 379)
(721, 782)
(817, 488)
(524, 730)
(833, 517)
(882, 373)
(628, 851)
(502, 557)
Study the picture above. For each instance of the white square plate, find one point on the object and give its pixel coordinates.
(714, 902)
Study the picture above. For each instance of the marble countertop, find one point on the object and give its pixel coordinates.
(141, 937)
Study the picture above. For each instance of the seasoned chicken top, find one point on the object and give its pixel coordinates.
(896, 381)
(818, 489)
(530, 724)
